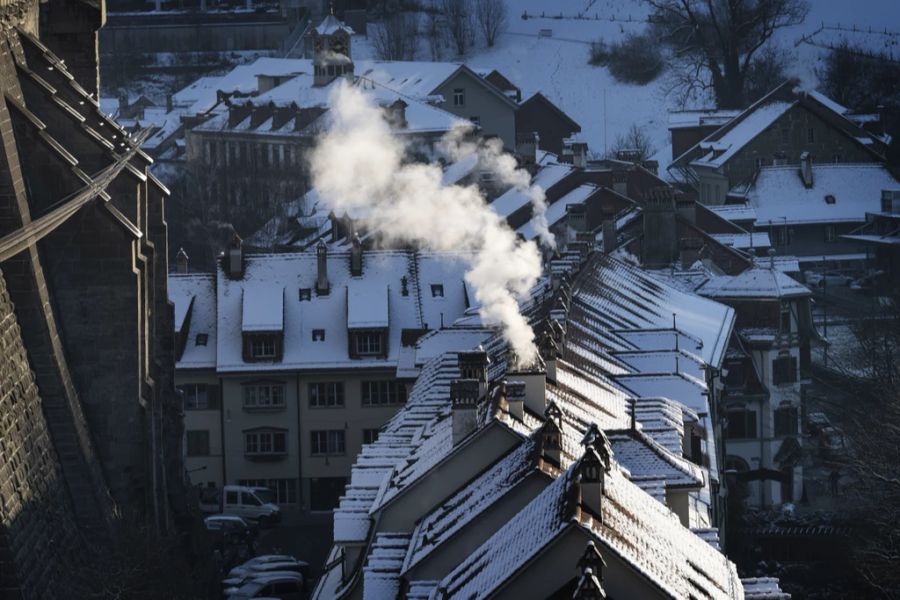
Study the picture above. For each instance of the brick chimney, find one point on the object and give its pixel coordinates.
(515, 399)
(464, 404)
(234, 258)
(322, 285)
(806, 171)
(356, 256)
(181, 261)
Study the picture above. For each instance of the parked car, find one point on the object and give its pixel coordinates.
(281, 586)
(230, 529)
(820, 279)
(271, 562)
(243, 501)
(235, 582)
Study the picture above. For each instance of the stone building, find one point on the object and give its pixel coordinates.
(91, 426)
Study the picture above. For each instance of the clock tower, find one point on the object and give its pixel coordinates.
(331, 46)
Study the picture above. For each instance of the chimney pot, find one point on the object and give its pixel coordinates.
(515, 399)
(181, 261)
(322, 285)
(356, 256)
(464, 394)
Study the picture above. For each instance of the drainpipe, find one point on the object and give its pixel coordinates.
(222, 430)
(299, 446)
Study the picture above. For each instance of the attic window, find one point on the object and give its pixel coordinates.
(201, 339)
(318, 335)
(437, 290)
(459, 97)
(305, 294)
(830, 199)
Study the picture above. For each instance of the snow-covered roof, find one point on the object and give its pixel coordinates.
(680, 119)
(377, 299)
(331, 24)
(636, 527)
(557, 211)
(779, 196)
(514, 199)
(722, 148)
(743, 241)
(195, 295)
(734, 212)
(415, 79)
(757, 282)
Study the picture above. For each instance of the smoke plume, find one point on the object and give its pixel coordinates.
(457, 145)
(357, 168)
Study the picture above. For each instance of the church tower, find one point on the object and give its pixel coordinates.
(331, 44)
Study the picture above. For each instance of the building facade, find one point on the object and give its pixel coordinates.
(282, 384)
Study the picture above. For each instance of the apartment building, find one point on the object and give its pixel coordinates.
(288, 363)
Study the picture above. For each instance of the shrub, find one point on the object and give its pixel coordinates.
(636, 59)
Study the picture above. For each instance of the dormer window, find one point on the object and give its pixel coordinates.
(202, 339)
(437, 290)
(305, 294)
(369, 343)
(262, 347)
(318, 335)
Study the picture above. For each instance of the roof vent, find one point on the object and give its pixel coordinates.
(830, 199)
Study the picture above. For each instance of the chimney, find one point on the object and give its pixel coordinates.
(356, 256)
(473, 365)
(591, 479)
(527, 147)
(169, 105)
(579, 154)
(686, 208)
(591, 565)
(464, 404)
(322, 285)
(806, 172)
(234, 257)
(609, 236)
(576, 217)
(549, 351)
(515, 399)
(535, 379)
(550, 439)
(660, 242)
(181, 260)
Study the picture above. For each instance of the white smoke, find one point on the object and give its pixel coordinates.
(357, 167)
(457, 145)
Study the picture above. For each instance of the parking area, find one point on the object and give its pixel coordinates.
(302, 534)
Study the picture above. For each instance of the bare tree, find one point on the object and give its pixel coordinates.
(635, 142)
(720, 40)
(434, 30)
(491, 16)
(395, 38)
(460, 26)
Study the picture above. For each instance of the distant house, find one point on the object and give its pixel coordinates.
(774, 131)
(880, 235)
(552, 125)
(808, 210)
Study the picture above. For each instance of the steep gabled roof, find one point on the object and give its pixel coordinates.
(539, 98)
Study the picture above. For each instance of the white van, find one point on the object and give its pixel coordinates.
(244, 502)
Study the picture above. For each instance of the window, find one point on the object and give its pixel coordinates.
(305, 294)
(200, 396)
(201, 339)
(198, 442)
(370, 435)
(231, 498)
(811, 135)
(736, 377)
(368, 344)
(437, 290)
(782, 236)
(741, 424)
(326, 394)
(784, 370)
(459, 97)
(265, 443)
(318, 335)
(284, 491)
(263, 395)
(262, 347)
(785, 317)
(786, 421)
(327, 442)
(380, 393)
(830, 234)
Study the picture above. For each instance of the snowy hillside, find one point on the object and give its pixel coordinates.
(557, 66)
